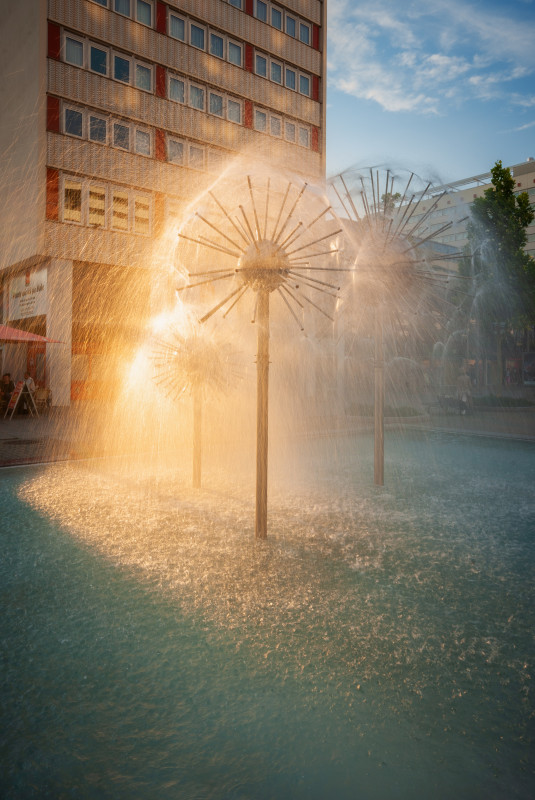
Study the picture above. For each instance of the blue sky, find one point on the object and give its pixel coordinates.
(442, 87)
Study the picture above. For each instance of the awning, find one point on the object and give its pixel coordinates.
(8, 334)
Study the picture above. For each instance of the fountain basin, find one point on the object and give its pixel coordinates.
(378, 644)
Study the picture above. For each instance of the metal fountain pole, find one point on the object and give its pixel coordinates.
(262, 392)
(197, 435)
(264, 264)
(379, 436)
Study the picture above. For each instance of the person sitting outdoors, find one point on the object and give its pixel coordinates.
(8, 387)
(29, 382)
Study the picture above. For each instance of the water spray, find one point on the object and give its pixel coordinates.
(274, 245)
(387, 236)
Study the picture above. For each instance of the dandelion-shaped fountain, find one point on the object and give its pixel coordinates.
(272, 243)
(191, 362)
(393, 251)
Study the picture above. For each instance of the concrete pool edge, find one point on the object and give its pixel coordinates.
(58, 437)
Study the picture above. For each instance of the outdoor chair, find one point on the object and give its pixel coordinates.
(42, 398)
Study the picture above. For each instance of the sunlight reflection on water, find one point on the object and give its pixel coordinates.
(398, 615)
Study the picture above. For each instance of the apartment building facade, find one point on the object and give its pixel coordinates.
(117, 113)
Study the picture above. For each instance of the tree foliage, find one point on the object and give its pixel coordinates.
(388, 202)
(497, 236)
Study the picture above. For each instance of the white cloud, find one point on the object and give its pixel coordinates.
(524, 101)
(441, 68)
(498, 35)
(525, 127)
(419, 56)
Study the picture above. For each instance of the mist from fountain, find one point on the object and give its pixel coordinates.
(488, 295)
(359, 648)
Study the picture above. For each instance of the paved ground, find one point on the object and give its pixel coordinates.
(56, 435)
(65, 433)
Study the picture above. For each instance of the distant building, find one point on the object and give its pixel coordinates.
(115, 114)
(454, 207)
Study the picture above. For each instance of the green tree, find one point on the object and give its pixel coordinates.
(497, 237)
(388, 201)
(503, 273)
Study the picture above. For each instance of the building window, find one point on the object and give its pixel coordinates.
(121, 69)
(196, 97)
(304, 137)
(144, 12)
(177, 90)
(102, 3)
(97, 206)
(74, 51)
(260, 120)
(98, 60)
(122, 7)
(217, 45)
(119, 211)
(84, 202)
(197, 36)
(276, 72)
(72, 201)
(275, 126)
(172, 210)
(276, 18)
(177, 27)
(290, 25)
(260, 10)
(97, 129)
(176, 151)
(196, 157)
(203, 99)
(289, 132)
(216, 104)
(304, 85)
(261, 66)
(235, 53)
(216, 160)
(141, 10)
(119, 66)
(142, 142)
(234, 111)
(144, 77)
(304, 32)
(74, 122)
(141, 214)
(121, 136)
(291, 79)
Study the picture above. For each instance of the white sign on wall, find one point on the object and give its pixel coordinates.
(27, 295)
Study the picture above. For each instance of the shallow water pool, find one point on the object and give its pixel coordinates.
(378, 645)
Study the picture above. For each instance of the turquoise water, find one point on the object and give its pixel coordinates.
(378, 645)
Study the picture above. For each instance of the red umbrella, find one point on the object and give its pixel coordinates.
(8, 334)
